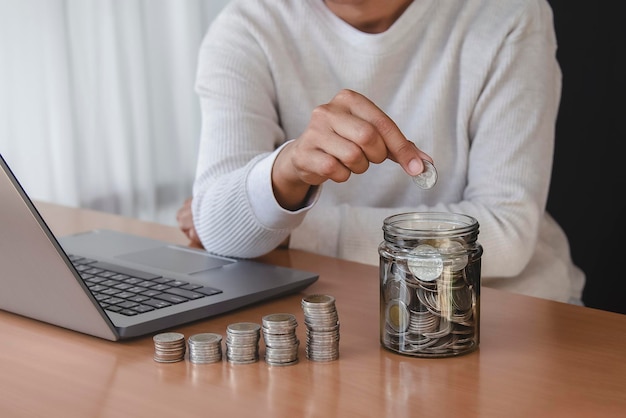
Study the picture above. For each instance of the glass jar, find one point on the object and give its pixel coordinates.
(430, 284)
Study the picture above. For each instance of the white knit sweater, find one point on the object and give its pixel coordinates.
(474, 83)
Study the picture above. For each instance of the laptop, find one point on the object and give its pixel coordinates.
(116, 285)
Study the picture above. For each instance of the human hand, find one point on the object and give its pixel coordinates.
(184, 218)
(343, 137)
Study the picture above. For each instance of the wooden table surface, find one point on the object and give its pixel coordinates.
(537, 358)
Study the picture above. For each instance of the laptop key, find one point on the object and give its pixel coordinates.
(128, 312)
(190, 286)
(138, 298)
(123, 286)
(145, 283)
(82, 267)
(142, 308)
(176, 283)
(99, 297)
(119, 276)
(127, 304)
(109, 283)
(155, 303)
(209, 291)
(93, 270)
(113, 300)
(76, 259)
(171, 298)
(134, 280)
(185, 293)
(160, 287)
(151, 293)
(136, 289)
(97, 287)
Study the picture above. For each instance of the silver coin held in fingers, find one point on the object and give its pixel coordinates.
(427, 178)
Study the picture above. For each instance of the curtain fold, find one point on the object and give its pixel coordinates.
(97, 107)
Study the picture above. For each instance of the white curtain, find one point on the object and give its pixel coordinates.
(97, 107)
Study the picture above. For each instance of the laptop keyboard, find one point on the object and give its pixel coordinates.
(131, 292)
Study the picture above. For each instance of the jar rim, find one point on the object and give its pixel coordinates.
(439, 223)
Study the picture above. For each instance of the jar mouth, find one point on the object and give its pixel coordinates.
(436, 224)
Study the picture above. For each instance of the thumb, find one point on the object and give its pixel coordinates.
(409, 157)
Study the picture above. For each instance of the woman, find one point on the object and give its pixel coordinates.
(316, 114)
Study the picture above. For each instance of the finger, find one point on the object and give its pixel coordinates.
(349, 154)
(194, 239)
(321, 154)
(352, 127)
(360, 133)
(192, 234)
(317, 166)
(406, 158)
(399, 148)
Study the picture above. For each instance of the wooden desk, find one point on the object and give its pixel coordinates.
(537, 359)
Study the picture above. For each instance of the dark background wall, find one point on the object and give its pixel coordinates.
(589, 175)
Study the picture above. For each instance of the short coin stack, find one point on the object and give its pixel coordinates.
(281, 342)
(322, 327)
(242, 342)
(205, 348)
(169, 347)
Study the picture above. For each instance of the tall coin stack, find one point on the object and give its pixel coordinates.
(169, 347)
(281, 342)
(322, 327)
(242, 342)
(205, 348)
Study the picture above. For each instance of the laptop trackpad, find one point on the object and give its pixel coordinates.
(176, 259)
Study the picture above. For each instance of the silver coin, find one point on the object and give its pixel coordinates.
(397, 289)
(454, 255)
(243, 328)
(205, 338)
(168, 338)
(427, 178)
(425, 263)
(279, 320)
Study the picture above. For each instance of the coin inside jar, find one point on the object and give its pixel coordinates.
(397, 289)
(425, 263)
(427, 178)
(397, 315)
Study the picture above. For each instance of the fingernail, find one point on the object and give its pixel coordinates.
(414, 167)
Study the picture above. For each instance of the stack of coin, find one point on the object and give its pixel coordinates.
(205, 348)
(281, 342)
(322, 327)
(169, 347)
(242, 342)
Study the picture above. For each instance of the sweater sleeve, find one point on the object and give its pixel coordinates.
(234, 210)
